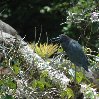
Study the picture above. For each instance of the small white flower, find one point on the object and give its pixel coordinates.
(94, 17)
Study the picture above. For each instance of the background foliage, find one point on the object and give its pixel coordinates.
(77, 18)
(55, 17)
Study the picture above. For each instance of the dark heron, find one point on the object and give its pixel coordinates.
(74, 51)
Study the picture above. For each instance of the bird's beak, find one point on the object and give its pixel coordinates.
(57, 39)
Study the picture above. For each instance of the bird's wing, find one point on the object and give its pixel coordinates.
(76, 53)
(75, 48)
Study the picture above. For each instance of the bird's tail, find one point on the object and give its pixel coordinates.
(86, 68)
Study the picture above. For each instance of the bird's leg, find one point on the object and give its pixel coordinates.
(75, 82)
(75, 75)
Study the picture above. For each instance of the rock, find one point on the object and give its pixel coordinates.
(7, 28)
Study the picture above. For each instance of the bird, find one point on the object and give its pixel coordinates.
(74, 51)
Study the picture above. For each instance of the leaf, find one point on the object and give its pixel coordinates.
(68, 92)
(79, 76)
(34, 84)
(90, 94)
(63, 94)
(48, 85)
(1, 82)
(11, 83)
(44, 74)
(16, 69)
(45, 50)
(38, 84)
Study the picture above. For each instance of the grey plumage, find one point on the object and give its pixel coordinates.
(74, 51)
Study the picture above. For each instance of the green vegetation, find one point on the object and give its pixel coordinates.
(79, 19)
(44, 50)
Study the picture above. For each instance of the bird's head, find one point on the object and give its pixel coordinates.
(61, 39)
(64, 38)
